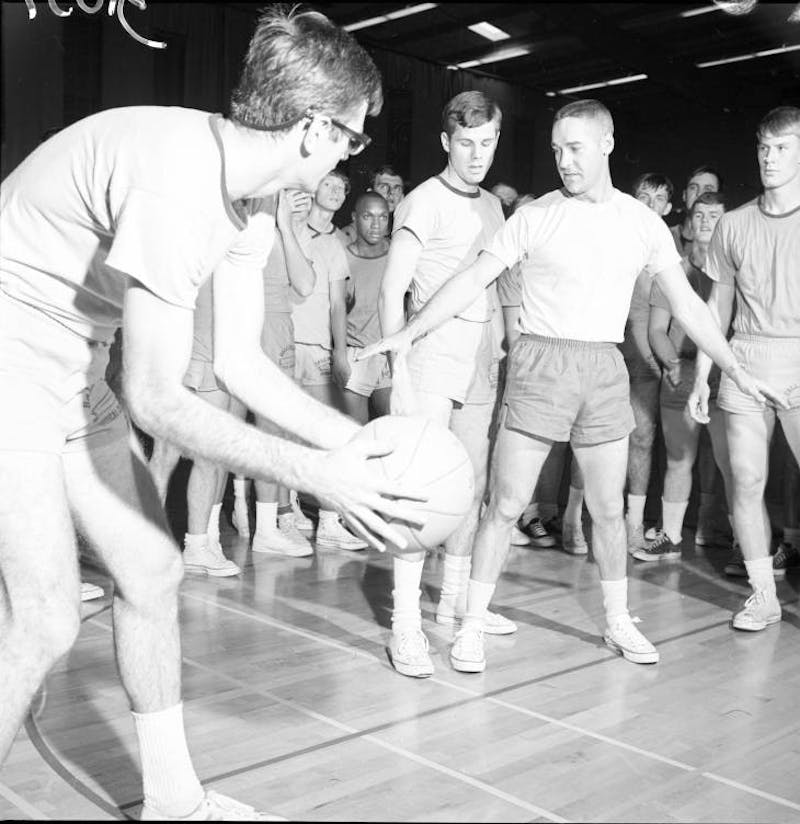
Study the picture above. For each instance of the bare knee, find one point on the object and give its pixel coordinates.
(153, 585)
(643, 436)
(606, 509)
(505, 508)
(48, 629)
(748, 482)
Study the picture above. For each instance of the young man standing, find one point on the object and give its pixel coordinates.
(439, 228)
(702, 179)
(644, 373)
(389, 185)
(753, 257)
(366, 262)
(320, 326)
(566, 376)
(118, 220)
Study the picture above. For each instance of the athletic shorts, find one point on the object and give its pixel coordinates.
(485, 377)
(676, 398)
(443, 362)
(313, 364)
(776, 361)
(277, 341)
(53, 393)
(560, 389)
(368, 375)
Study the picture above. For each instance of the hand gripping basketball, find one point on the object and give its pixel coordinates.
(427, 459)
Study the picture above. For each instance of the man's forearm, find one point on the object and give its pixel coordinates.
(454, 297)
(201, 430)
(663, 347)
(302, 276)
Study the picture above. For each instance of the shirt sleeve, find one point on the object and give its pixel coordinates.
(417, 214)
(253, 244)
(161, 246)
(337, 261)
(510, 243)
(663, 253)
(658, 298)
(509, 286)
(720, 267)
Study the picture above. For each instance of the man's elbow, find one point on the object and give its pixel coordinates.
(145, 403)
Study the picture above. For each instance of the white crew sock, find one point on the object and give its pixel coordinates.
(453, 597)
(407, 577)
(328, 515)
(240, 487)
(479, 596)
(615, 598)
(195, 541)
(672, 513)
(635, 513)
(759, 573)
(791, 535)
(573, 514)
(170, 783)
(266, 517)
(213, 523)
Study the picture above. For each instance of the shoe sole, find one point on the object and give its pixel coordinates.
(629, 655)
(329, 544)
(753, 627)
(467, 666)
(541, 543)
(267, 551)
(665, 556)
(91, 595)
(520, 543)
(214, 573)
(488, 629)
(410, 670)
(735, 572)
(582, 549)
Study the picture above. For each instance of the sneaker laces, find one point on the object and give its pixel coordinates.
(659, 541)
(536, 528)
(470, 642)
(409, 641)
(757, 599)
(623, 627)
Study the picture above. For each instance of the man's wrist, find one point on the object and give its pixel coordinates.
(732, 368)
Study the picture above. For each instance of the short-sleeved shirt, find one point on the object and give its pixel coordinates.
(580, 260)
(312, 315)
(364, 286)
(452, 226)
(638, 320)
(135, 193)
(759, 254)
(509, 286)
(701, 283)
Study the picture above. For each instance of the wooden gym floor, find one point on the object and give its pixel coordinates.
(291, 704)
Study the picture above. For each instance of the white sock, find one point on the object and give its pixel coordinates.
(530, 512)
(328, 515)
(759, 573)
(672, 513)
(453, 597)
(615, 598)
(479, 596)
(266, 516)
(407, 578)
(635, 513)
(791, 535)
(195, 541)
(240, 487)
(170, 783)
(573, 514)
(213, 523)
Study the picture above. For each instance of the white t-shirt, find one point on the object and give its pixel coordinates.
(135, 192)
(759, 254)
(580, 260)
(312, 315)
(453, 227)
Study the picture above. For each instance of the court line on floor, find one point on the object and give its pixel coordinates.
(22, 805)
(515, 707)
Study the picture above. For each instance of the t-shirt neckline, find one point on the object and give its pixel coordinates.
(457, 191)
(774, 216)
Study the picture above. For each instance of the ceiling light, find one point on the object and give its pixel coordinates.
(617, 81)
(699, 10)
(495, 57)
(489, 31)
(752, 56)
(392, 15)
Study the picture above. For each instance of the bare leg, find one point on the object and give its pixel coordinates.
(356, 406)
(380, 402)
(39, 582)
(162, 464)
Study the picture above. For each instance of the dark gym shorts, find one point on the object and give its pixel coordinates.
(560, 389)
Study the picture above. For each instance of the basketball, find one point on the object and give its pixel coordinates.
(430, 460)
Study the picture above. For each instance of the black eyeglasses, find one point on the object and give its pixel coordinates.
(357, 141)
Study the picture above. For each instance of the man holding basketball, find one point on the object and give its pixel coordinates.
(566, 377)
(117, 221)
(451, 376)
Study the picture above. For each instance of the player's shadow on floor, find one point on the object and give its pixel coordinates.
(376, 586)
